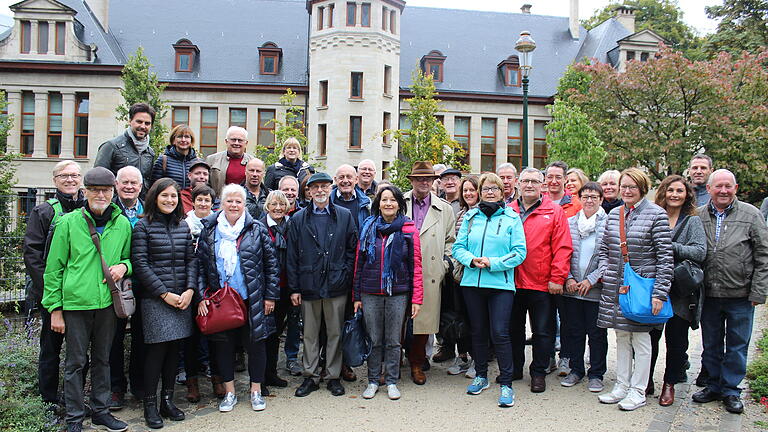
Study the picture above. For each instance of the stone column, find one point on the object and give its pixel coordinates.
(52, 37)
(222, 126)
(501, 141)
(14, 110)
(41, 125)
(33, 37)
(67, 125)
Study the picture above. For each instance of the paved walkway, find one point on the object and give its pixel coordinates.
(442, 405)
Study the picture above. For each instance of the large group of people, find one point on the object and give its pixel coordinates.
(462, 260)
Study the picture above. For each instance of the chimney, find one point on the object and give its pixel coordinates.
(526, 8)
(573, 20)
(625, 15)
(100, 9)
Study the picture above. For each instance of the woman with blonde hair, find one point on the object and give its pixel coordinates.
(289, 164)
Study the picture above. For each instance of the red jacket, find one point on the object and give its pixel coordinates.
(569, 203)
(548, 241)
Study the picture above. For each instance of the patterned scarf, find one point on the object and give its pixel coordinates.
(393, 249)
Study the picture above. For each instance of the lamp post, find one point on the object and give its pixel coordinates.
(525, 46)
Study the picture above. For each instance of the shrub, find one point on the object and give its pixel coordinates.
(757, 371)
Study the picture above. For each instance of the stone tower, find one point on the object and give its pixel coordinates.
(354, 63)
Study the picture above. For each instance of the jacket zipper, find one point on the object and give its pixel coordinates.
(482, 246)
(173, 253)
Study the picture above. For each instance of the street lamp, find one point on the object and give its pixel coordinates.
(525, 46)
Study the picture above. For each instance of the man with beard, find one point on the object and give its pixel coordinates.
(322, 241)
(132, 147)
(78, 298)
(42, 220)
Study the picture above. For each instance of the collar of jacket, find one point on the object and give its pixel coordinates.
(502, 211)
(643, 203)
(547, 206)
(728, 210)
(171, 151)
(359, 194)
(116, 211)
(116, 201)
(432, 200)
(309, 209)
(211, 221)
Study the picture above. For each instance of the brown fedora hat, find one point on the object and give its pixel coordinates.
(422, 169)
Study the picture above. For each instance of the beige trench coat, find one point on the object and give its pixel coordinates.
(437, 236)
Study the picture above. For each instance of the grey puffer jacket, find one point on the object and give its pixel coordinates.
(737, 265)
(649, 240)
(592, 274)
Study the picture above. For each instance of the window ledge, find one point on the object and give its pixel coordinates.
(386, 145)
(322, 108)
(387, 95)
(355, 149)
(323, 157)
(356, 100)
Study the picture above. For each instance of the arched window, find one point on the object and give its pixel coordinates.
(186, 52)
(269, 59)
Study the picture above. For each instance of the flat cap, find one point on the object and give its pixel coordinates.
(199, 162)
(319, 177)
(450, 171)
(99, 176)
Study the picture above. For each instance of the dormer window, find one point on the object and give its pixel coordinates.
(509, 71)
(186, 52)
(269, 59)
(432, 64)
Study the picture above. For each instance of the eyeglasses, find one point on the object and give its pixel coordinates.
(490, 189)
(628, 187)
(68, 176)
(530, 181)
(184, 137)
(555, 177)
(236, 140)
(590, 197)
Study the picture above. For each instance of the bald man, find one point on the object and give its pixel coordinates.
(255, 191)
(346, 193)
(366, 173)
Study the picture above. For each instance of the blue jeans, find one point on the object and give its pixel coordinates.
(726, 328)
(384, 316)
(490, 312)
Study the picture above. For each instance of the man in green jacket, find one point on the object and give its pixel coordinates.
(78, 298)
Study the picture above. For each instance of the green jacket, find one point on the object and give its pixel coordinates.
(73, 275)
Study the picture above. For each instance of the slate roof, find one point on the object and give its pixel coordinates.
(601, 40)
(227, 32)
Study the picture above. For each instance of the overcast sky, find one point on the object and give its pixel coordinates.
(693, 9)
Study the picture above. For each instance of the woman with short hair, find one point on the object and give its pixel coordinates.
(236, 250)
(609, 181)
(490, 244)
(649, 243)
(178, 156)
(689, 242)
(290, 163)
(164, 268)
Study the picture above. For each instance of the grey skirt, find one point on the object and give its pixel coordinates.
(163, 323)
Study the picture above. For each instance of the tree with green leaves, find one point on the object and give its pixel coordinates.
(743, 26)
(426, 139)
(140, 84)
(11, 228)
(572, 140)
(659, 113)
(291, 126)
(664, 17)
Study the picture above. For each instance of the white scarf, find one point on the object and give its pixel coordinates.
(587, 225)
(229, 234)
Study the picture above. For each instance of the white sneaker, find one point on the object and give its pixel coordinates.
(393, 392)
(471, 372)
(370, 391)
(459, 366)
(229, 402)
(257, 401)
(633, 401)
(563, 367)
(616, 395)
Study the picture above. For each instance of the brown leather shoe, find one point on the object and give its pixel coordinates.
(347, 374)
(418, 375)
(650, 389)
(443, 355)
(538, 385)
(667, 397)
(218, 386)
(193, 390)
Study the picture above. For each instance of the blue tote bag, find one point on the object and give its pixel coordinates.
(636, 293)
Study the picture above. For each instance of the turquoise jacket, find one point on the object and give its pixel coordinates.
(500, 238)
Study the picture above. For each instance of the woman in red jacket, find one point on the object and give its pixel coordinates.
(387, 278)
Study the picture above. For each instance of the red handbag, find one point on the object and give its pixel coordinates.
(226, 311)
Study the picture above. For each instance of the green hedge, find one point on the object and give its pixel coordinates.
(757, 371)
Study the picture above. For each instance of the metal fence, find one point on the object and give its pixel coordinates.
(14, 211)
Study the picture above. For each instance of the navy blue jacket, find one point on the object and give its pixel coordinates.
(176, 166)
(363, 201)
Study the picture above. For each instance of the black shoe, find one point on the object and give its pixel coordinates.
(308, 386)
(426, 366)
(275, 380)
(733, 404)
(151, 415)
(110, 422)
(116, 402)
(335, 387)
(706, 396)
(74, 427)
(701, 380)
(168, 409)
(264, 390)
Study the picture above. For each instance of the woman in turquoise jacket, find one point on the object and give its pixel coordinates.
(490, 244)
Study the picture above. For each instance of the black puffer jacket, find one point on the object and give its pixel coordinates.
(277, 171)
(163, 257)
(258, 262)
(176, 166)
(318, 272)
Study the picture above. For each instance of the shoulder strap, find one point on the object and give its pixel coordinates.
(58, 210)
(97, 243)
(623, 236)
(165, 163)
(680, 227)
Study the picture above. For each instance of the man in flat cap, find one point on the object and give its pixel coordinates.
(78, 298)
(321, 260)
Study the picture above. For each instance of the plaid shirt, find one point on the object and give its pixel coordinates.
(719, 218)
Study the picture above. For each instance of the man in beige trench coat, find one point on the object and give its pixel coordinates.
(436, 222)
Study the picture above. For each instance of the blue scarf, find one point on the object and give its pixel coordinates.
(393, 249)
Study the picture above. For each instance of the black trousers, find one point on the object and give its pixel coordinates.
(194, 352)
(224, 353)
(540, 305)
(489, 315)
(579, 321)
(160, 360)
(136, 357)
(676, 338)
(49, 360)
(282, 308)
